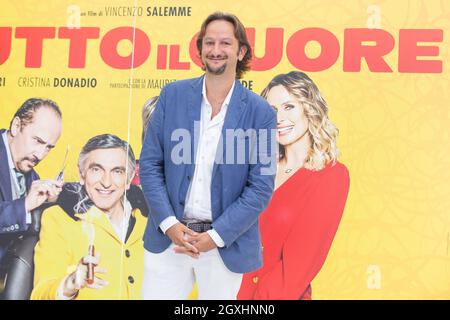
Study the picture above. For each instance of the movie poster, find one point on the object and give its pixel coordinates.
(381, 66)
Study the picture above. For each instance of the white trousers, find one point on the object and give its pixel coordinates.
(170, 276)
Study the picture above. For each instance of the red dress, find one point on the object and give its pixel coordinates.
(297, 230)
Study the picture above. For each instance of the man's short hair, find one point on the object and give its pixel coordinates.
(239, 33)
(26, 111)
(107, 141)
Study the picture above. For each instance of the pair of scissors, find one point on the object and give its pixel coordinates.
(60, 176)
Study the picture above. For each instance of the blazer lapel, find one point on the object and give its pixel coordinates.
(194, 111)
(138, 228)
(232, 117)
(5, 176)
(30, 177)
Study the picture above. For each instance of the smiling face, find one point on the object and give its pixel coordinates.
(292, 124)
(220, 49)
(30, 143)
(104, 177)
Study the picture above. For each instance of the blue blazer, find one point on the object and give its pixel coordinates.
(239, 192)
(12, 212)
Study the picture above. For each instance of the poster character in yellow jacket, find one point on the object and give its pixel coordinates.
(103, 210)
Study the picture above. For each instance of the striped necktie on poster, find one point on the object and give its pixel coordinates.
(21, 182)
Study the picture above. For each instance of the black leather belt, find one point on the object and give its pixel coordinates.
(198, 226)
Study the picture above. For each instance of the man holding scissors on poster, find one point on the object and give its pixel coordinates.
(33, 132)
(203, 216)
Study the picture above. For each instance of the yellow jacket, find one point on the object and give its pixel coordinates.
(63, 242)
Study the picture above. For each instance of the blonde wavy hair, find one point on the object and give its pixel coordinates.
(147, 110)
(322, 131)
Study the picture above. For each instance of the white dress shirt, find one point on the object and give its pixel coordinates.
(121, 228)
(14, 183)
(198, 199)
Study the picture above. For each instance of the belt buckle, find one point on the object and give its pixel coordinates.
(200, 224)
(188, 224)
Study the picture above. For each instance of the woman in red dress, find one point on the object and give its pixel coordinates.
(299, 225)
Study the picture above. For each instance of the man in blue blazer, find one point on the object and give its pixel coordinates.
(208, 165)
(34, 131)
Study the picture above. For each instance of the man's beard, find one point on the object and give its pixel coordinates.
(34, 161)
(218, 71)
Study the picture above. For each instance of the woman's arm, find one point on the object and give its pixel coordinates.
(308, 243)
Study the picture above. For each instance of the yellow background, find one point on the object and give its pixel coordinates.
(393, 241)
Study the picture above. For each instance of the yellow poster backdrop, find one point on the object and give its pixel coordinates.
(394, 238)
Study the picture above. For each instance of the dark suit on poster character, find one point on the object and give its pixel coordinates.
(34, 131)
(203, 221)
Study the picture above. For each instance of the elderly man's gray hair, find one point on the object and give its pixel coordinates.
(107, 141)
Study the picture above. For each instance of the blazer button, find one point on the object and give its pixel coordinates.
(130, 279)
(189, 178)
(255, 279)
(127, 253)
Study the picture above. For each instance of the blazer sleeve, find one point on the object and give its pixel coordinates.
(307, 245)
(52, 256)
(12, 216)
(151, 166)
(238, 217)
